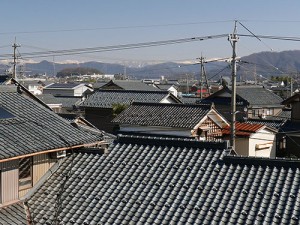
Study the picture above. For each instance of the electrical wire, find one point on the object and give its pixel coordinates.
(114, 47)
(114, 28)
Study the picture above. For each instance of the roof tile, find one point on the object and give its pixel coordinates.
(194, 186)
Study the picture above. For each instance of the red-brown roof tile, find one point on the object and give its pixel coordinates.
(243, 129)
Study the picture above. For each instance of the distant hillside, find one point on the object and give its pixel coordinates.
(272, 63)
(264, 63)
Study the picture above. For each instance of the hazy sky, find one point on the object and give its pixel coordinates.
(42, 25)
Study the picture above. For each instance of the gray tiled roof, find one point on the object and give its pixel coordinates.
(270, 123)
(131, 85)
(258, 96)
(165, 115)
(189, 100)
(13, 214)
(63, 85)
(67, 102)
(34, 128)
(159, 182)
(106, 98)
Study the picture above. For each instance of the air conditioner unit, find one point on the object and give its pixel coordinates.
(58, 155)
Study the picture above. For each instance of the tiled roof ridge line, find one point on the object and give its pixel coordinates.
(132, 91)
(170, 141)
(262, 161)
(208, 105)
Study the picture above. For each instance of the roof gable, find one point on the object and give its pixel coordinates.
(129, 85)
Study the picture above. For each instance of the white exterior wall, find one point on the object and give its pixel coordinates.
(262, 137)
(35, 89)
(80, 90)
(173, 91)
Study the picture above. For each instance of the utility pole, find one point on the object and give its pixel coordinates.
(292, 85)
(233, 40)
(15, 46)
(203, 77)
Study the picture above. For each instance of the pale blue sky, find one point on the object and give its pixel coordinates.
(39, 24)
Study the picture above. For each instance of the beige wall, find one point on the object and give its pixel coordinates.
(41, 164)
(9, 181)
(242, 146)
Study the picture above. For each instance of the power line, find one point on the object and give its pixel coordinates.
(115, 28)
(114, 47)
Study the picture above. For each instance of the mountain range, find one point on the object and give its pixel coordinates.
(260, 64)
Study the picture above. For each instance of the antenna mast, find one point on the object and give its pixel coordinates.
(233, 40)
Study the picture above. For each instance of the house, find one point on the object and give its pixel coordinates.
(101, 106)
(167, 181)
(251, 102)
(168, 87)
(253, 139)
(67, 89)
(61, 104)
(128, 85)
(35, 86)
(275, 121)
(288, 140)
(32, 139)
(202, 122)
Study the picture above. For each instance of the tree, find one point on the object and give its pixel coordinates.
(77, 71)
(118, 108)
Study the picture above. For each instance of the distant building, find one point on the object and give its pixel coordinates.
(251, 102)
(67, 89)
(288, 140)
(201, 122)
(99, 107)
(128, 85)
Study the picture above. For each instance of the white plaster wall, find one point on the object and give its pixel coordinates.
(262, 137)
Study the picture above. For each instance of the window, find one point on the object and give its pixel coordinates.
(25, 173)
(270, 112)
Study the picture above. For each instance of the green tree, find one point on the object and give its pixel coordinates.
(118, 108)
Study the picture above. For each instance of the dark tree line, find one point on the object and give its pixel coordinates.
(77, 72)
